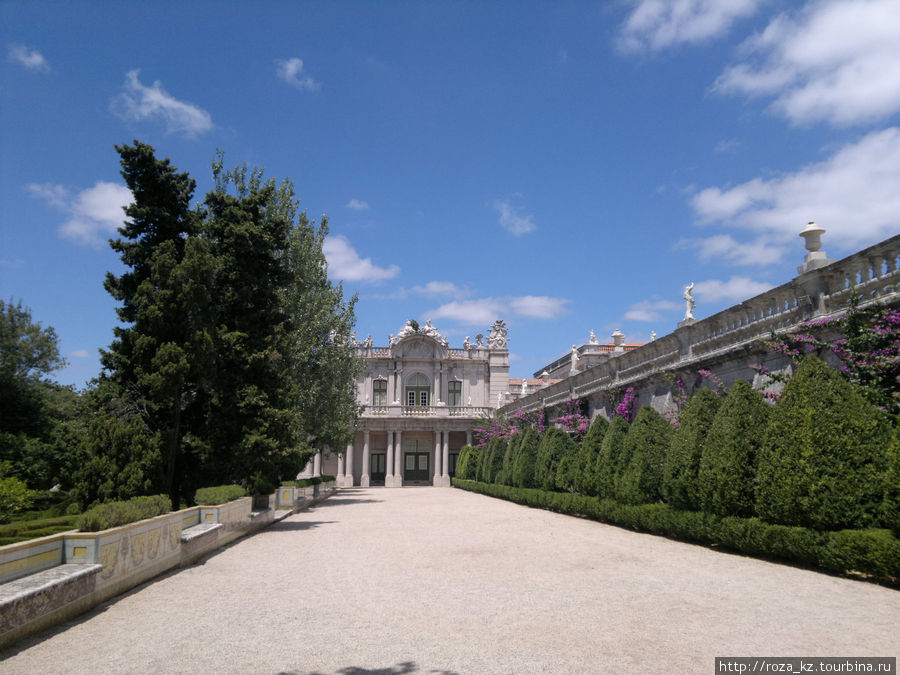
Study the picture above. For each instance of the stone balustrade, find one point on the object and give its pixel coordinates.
(431, 411)
(732, 336)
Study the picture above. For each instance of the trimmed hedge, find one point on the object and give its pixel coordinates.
(874, 552)
(586, 479)
(610, 461)
(682, 464)
(554, 445)
(646, 446)
(219, 494)
(307, 482)
(523, 468)
(725, 483)
(891, 507)
(823, 461)
(466, 462)
(113, 514)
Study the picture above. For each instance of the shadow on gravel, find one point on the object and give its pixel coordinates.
(337, 501)
(399, 669)
(296, 525)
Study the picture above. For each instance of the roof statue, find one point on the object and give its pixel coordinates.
(412, 328)
(594, 340)
(497, 339)
(689, 301)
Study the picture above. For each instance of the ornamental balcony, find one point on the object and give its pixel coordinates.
(434, 411)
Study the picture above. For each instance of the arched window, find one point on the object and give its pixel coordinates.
(418, 390)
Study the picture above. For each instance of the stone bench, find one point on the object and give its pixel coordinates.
(44, 598)
(191, 533)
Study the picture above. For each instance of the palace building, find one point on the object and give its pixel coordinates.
(421, 400)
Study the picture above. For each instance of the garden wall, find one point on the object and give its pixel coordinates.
(48, 580)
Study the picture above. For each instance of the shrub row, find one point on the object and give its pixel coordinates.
(219, 494)
(874, 552)
(821, 458)
(308, 482)
(113, 514)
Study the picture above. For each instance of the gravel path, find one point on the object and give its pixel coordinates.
(437, 580)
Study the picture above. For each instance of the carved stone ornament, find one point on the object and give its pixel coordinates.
(427, 330)
(497, 338)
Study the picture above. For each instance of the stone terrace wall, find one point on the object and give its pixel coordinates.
(729, 342)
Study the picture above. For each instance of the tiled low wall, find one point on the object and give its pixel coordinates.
(51, 567)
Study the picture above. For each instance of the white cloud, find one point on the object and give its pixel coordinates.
(138, 102)
(14, 264)
(727, 145)
(80, 354)
(736, 289)
(344, 263)
(440, 288)
(725, 248)
(657, 24)
(358, 205)
(833, 61)
(511, 219)
(487, 310)
(853, 195)
(94, 213)
(32, 59)
(290, 71)
(650, 310)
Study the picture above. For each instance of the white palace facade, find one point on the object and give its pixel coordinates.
(420, 401)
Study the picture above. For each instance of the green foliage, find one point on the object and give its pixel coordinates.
(725, 484)
(466, 462)
(112, 514)
(23, 530)
(555, 444)
(493, 459)
(823, 460)
(586, 479)
(14, 494)
(566, 473)
(682, 463)
(891, 506)
(505, 476)
(646, 445)
(526, 459)
(874, 552)
(219, 494)
(611, 461)
(121, 456)
(259, 484)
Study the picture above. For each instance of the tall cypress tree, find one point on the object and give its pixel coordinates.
(155, 366)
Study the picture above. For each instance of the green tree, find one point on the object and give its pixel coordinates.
(321, 359)
(679, 486)
(646, 444)
(160, 360)
(586, 479)
(35, 411)
(823, 460)
(891, 505)
(524, 466)
(504, 477)
(611, 461)
(14, 493)
(555, 444)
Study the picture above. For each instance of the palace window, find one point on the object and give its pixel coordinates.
(454, 393)
(379, 392)
(418, 390)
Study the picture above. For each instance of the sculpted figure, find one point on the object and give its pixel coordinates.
(497, 338)
(466, 344)
(689, 301)
(575, 356)
(594, 340)
(479, 340)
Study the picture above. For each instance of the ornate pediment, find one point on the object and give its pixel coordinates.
(415, 341)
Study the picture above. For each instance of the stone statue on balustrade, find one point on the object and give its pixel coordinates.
(497, 339)
(689, 301)
(594, 340)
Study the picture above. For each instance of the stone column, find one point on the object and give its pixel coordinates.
(436, 480)
(445, 462)
(468, 437)
(364, 478)
(348, 467)
(339, 479)
(317, 464)
(398, 459)
(389, 463)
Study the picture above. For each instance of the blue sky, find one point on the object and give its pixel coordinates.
(566, 166)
